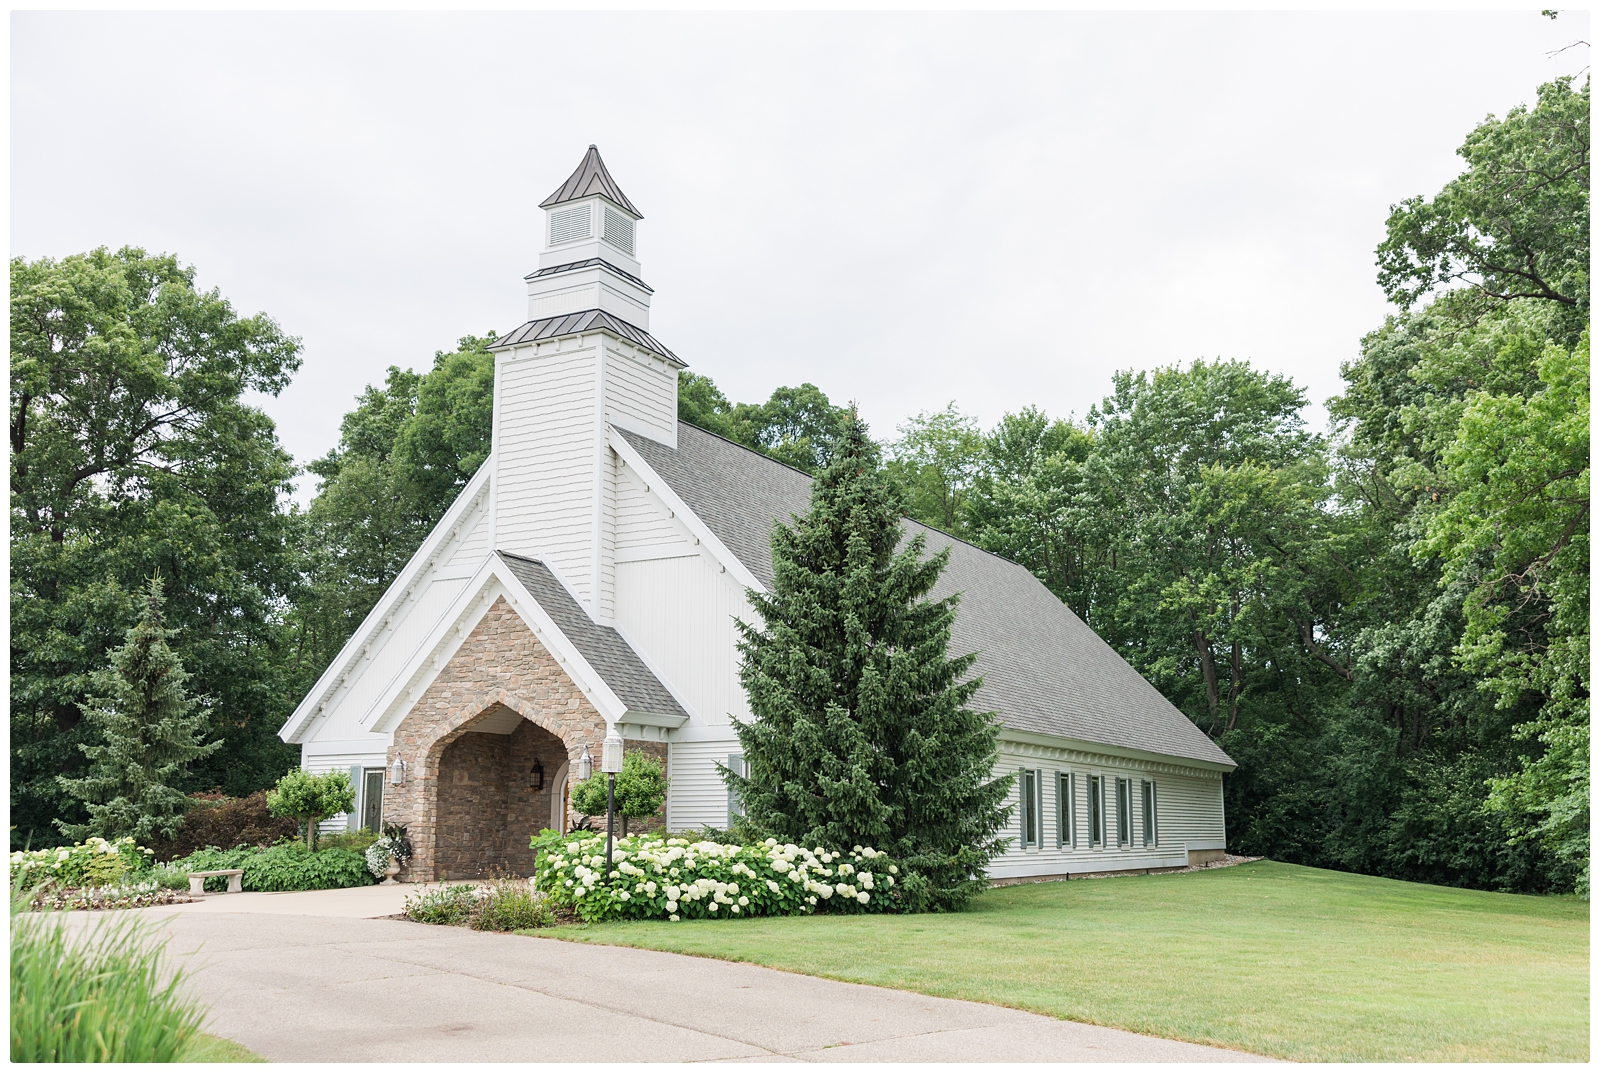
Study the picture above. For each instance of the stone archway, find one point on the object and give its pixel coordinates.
(502, 698)
(496, 788)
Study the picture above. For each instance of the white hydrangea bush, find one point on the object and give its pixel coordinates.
(89, 863)
(654, 877)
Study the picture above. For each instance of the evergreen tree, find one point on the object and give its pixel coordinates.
(862, 733)
(150, 730)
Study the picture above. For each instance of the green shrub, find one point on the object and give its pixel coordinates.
(291, 867)
(309, 798)
(511, 904)
(659, 878)
(451, 904)
(506, 903)
(286, 866)
(356, 840)
(94, 863)
(97, 997)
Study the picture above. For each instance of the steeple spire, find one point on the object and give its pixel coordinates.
(591, 179)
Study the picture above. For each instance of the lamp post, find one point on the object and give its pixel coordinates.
(611, 763)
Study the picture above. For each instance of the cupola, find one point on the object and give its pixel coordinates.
(591, 257)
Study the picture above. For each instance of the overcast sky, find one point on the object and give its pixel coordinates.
(903, 209)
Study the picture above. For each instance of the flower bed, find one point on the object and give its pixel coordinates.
(286, 866)
(123, 895)
(92, 863)
(658, 878)
(505, 903)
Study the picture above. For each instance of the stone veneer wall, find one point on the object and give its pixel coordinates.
(500, 663)
(486, 809)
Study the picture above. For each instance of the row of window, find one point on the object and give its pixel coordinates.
(1108, 809)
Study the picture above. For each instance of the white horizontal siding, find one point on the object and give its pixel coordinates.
(679, 613)
(318, 765)
(545, 446)
(1188, 808)
(697, 796)
(641, 520)
(642, 392)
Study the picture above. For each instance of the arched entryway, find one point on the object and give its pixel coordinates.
(500, 781)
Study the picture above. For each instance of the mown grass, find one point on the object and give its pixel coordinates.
(209, 1048)
(1277, 959)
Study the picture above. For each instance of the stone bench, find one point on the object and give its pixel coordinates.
(197, 881)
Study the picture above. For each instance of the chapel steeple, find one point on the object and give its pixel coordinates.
(590, 260)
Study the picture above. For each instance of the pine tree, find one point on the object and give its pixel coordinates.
(150, 731)
(862, 734)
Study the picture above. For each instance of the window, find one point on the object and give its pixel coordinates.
(1028, 786)
(372, 799)
(618, 230)
(1124, 812)
(1151, 835)
(1066, 809)
(1097, 810)
(568, 225)
(735, 806)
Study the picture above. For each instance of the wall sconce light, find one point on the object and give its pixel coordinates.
(397, 772)
(536, 776)
(585, 764)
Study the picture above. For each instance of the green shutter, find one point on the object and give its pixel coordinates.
(735, 807)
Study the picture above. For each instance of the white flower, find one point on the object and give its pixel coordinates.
(773, 887)
(863, 897)
(812, 900)
(712, 908)
(673, 917)
(623, 895)
(569, 882)
(743, 900)
(842, 888)
(735, 908)
(650, 888)
(894, 870)
(733, 888)
(672, 907)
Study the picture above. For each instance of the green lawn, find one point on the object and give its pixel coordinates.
(1273, 958)
(209, 1048)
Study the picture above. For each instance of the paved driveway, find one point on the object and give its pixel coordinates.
(297, 988)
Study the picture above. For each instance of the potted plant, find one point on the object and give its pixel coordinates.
(389, 853)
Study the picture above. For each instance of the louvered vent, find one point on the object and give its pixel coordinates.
(619, 231)
(569, 224)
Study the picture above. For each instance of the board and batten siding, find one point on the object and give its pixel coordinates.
(641, 521)
(545, 447)
(698, 797)
(1188, 813)
(679, 612)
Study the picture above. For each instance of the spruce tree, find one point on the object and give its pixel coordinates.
(862, 732)
(150, 731)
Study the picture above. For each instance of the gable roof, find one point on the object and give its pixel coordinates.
(590, 179)
(603, 648)
(1044, 671)
(588, 320)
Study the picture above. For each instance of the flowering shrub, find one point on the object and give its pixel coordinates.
(92, 863)
(654, 877)
(121, 895)
(378, 855)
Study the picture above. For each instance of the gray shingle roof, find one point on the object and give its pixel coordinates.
(593, 262)
(591, 178)
(588, 320)
(1043, 669)
(612, 658)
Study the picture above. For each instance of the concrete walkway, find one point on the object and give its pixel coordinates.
(334, 987)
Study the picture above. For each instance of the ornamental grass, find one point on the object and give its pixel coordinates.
(99, 996)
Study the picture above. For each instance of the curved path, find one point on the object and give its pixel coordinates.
(344, 988)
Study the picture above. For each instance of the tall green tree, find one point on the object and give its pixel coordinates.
(862, 732)
(133, 451)
(150, 731)
(404, 454)
(797, 425)
(936, 459)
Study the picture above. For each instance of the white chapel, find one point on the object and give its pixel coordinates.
(589, 577)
